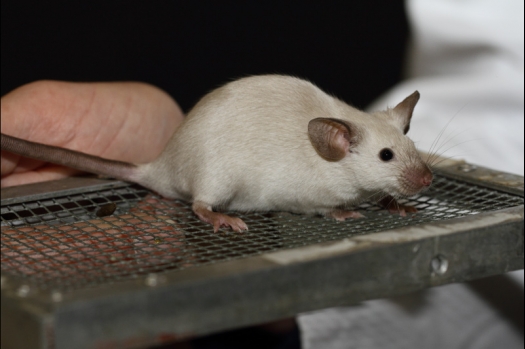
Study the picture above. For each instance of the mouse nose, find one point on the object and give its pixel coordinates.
(426, 179)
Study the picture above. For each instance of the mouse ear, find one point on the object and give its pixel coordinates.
(403, 111)
(331, 138)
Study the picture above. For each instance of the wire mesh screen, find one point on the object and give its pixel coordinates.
(77, 241)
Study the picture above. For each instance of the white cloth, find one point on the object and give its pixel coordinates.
(450, 317)
(467, 61)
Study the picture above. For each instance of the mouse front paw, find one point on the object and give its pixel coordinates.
(391, 204)
(218, 220)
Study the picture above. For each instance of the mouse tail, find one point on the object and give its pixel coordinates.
(70, 158)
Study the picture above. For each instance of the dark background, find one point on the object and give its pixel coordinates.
(352, 49)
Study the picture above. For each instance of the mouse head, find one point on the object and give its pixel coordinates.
(375, 149)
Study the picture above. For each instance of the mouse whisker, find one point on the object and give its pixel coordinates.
(436, 155)
(379, 194)
(445, 159)
(440, 134)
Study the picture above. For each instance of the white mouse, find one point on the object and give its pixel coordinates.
(271, 143)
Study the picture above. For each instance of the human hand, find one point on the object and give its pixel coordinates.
(124, 121)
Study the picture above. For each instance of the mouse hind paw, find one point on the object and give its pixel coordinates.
(217, 219)
(341, 215)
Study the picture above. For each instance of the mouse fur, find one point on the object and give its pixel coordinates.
(274, 142)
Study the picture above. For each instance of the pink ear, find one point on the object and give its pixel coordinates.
(331, 138)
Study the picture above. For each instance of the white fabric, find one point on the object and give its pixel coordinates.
(468, 64)
(467, 61)
(450, 317)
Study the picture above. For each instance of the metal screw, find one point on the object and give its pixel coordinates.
(152, 280)
(23, 290)
(56, 296)
(467, 168)
(439, 264)
(416, 248)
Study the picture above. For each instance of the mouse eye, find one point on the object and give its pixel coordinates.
(386, 154)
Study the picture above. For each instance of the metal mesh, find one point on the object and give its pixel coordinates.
(60, 243)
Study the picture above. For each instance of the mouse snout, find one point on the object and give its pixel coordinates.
(426, 178)
(416, 179)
